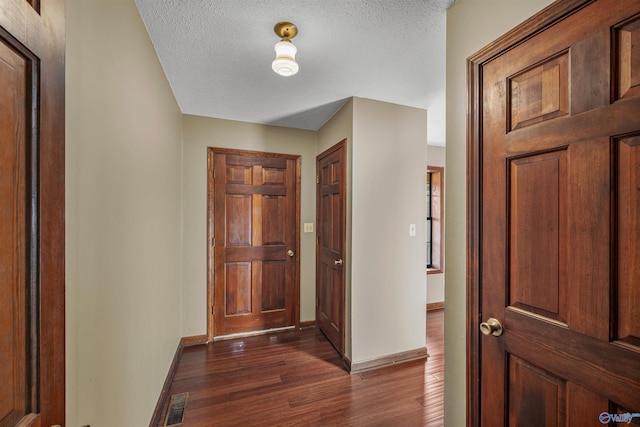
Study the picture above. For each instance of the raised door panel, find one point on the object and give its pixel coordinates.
(239, 219)
(627, 42)
(536, 397)
(539, 93)
(627, 311)
(274, 290)
(538, 234)
(238, 281)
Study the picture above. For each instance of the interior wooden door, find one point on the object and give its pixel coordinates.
(330, 248)
(31, 213)
(254, 216)
(555, 220)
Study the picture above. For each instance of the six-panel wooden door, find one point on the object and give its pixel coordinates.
(330, 247)
(254, 215)
(555, 219)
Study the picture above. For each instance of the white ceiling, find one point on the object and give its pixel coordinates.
(217, 55)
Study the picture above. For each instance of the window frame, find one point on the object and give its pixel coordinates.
(437, 218)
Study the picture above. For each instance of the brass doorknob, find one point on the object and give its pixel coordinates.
(491, 327)
(337, 262)
(290, 252)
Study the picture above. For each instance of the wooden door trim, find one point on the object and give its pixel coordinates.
(343, 191)
(211, 152)
(549, 16)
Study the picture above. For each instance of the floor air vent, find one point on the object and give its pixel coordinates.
(175, 413)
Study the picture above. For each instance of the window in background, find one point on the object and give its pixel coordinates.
(435, 218)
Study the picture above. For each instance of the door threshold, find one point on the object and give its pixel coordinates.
(253, 333)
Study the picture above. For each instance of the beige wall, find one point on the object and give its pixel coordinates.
(435, 282)
(388, 284)
(123, 198)
(202, 132)
(471, 24)
(436, 121)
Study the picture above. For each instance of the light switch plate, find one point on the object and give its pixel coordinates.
(412, 230)
(308, 227)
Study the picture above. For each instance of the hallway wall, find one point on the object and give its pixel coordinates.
(123, 217)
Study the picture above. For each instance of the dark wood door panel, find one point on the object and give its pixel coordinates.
(539, 93)
(627, 311)
(536, 398)
(540, 398)
(538, 234)
(627, 48)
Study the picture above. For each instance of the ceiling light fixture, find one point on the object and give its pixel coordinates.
(285, 63)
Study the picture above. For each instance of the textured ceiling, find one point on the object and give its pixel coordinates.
(217, 55)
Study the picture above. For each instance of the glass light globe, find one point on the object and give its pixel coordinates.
(285, 63)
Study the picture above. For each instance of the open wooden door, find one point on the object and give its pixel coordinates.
(32, 213)
(554, 214)
(330, 246)
(254, 230)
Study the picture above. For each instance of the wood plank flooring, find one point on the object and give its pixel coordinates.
(296, 378)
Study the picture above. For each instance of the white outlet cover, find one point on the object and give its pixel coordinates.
(412, 230)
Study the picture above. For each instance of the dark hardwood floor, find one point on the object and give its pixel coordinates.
(297, 379)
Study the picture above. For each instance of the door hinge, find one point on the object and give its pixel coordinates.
(212, 309)
(214, 174)
(317, 179)
(213, 241)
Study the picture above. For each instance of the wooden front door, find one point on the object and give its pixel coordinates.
(554, 205)
(31, 213)
(330, 248)
(254, 232)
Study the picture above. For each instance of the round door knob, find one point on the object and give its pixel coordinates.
(337, 262)
(290, 252)
(491, 327)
